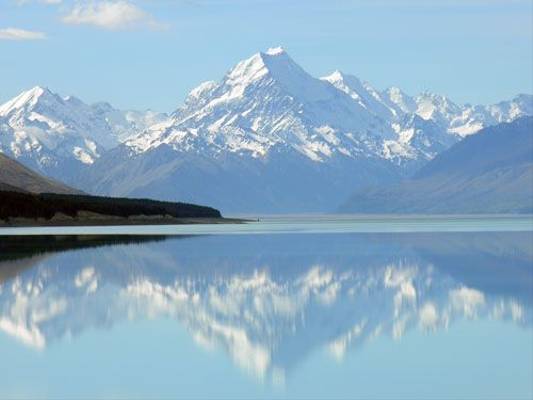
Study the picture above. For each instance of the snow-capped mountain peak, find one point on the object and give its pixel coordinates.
(434, 106)
(362, 92)
(268, 101)
(275, 67)
(247, 71)
(399, 101)
(266, 115)
(346, 83)
(27, 100)
(275, 51)
(259, 65)
(335, 76)
(49, 132)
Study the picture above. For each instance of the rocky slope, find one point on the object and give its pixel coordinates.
(16, 177)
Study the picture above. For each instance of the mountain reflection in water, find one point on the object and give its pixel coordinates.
(268, 300)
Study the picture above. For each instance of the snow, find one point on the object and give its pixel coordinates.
(394, 149)
(246, 72)
(399, 102)
(266, 102)
(275, 51)
(45, 129)
(328, 133)
(261, 103)
(24, 100)
(82, 155)
(202, 89)
(363, 93)
(337, 79)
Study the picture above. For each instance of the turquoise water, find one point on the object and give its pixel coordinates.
(325, 312)
(308, 224)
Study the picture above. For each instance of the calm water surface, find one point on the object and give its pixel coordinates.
(308, 224)
(318, 313)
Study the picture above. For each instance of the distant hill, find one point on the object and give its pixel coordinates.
(16, 177)
(491, 172)
(27, 198)
(8, 188)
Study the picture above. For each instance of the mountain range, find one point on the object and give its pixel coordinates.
(267, 137)
(55, 134)
(490, 172)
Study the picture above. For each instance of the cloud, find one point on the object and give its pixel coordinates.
(20, 34)
(112, 15)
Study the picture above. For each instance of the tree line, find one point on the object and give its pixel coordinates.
(46, 205)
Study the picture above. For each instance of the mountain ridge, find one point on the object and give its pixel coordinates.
(491, 172)
(337, 130)
(52, 134)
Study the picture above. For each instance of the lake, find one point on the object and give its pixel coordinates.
(300, 307)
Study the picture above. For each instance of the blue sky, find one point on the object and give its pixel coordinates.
(150, 53)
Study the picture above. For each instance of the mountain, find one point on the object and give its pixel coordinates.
(363, 93)
(267, 137)
(466, 120)
(457, 120)
(30, 196)
(16, 177)
(58, 135)
(491, 172)
(268, 103)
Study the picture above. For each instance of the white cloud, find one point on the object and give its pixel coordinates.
(112, 15)
(20, 34)
(428, 316)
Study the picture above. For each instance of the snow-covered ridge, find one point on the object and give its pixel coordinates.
(266, 104)
(45, 130)
(269, 102)
(266, 101)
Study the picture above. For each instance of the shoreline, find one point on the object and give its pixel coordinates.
(76, 222)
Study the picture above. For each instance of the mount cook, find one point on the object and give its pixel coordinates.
(268, 137)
